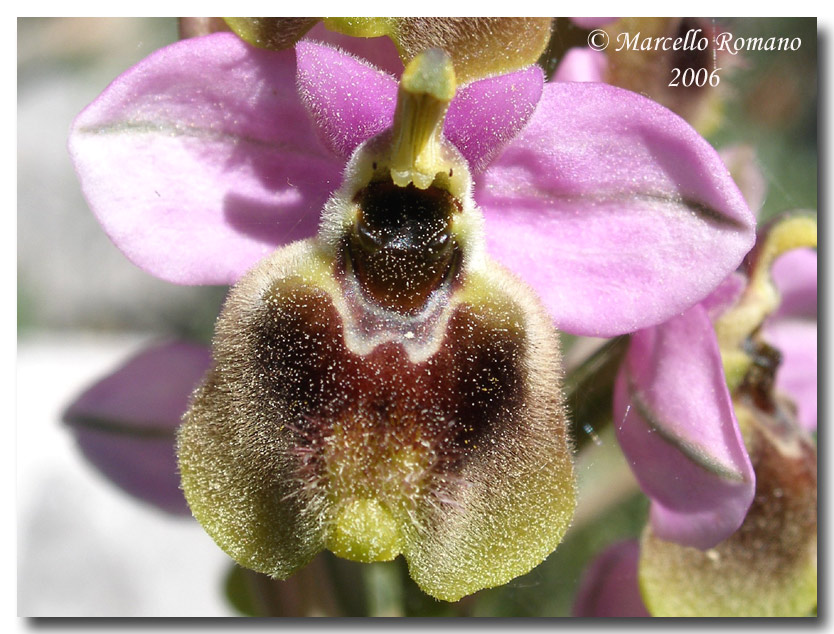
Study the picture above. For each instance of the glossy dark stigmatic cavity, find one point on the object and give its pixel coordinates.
(401, 247)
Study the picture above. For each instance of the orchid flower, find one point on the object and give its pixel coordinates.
(658, 416)
(210, 154)
(766, 495)
(768, 566)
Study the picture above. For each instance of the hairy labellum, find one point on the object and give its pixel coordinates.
(385, 387)
(768, 567)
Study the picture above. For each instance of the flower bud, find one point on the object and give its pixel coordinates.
(479, 47)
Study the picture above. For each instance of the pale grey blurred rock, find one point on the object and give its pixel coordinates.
(84, 547)
(69, 273)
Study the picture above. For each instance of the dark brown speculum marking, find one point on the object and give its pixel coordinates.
(401, 247)
(364, 413)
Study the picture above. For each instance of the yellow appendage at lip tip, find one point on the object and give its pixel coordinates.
(364, 530)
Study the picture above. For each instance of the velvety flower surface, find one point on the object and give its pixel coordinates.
(203, 158)
(208, 155)
(675, 422)
(345, 118)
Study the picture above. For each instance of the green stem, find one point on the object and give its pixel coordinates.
(309, 592)
(589, 391)
(384, 589)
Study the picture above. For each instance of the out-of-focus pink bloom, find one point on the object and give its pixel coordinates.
(793, 331)
(609, 586)
(126, 423)
(592, 23)
(581, 64)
